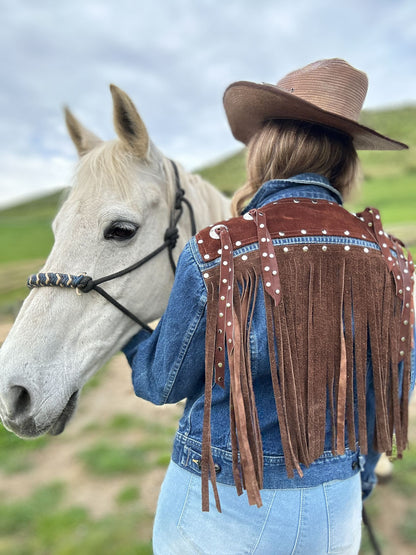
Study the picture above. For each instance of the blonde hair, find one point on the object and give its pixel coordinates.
(284, 148)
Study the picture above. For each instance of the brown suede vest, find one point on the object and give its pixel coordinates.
(324, 302)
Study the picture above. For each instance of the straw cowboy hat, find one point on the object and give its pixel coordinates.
(326, 92)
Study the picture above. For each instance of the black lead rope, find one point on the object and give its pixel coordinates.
(86, 283)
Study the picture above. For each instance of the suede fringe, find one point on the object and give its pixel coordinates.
(332, 306)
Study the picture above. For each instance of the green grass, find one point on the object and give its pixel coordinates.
(127, 495)
(405, 473)
(105, 459)
(15, 451)
(408, 528)
(42, 524)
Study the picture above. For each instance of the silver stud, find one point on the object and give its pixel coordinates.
(296, 201)
(268, 283)
(346, 232)
(206, 275)
(324, 232)
(347, 248)
(384, 246)
(224, 280)
(261, 225)
(222, 298)
(406, 322)
(305, 249)
(219, 331)
(219, 251)
(225, 263)
(206, 256)
(221, 314)
(228, 305)
(200, 241)
(277, 291)
(314, 202)
(324, 248)
(226, 247)
(228, 324)
(230, 340)
(271, 255)
(265, 254)
(274, 272)
(247, 216)
(407, 288)
(366, 250)
(402, 353)
(381, 232)
(263, 239)
(370, 224)
(267, 268)
(238, 243)
(219, 365)
(402, 339)
(285, 249)
(400, 291)
(361, 218)
(303, 231)
(377, 217)
(281, 234)
(398, 277)
(407, 305)
(364, 236)
(244, 257)
(389, 259)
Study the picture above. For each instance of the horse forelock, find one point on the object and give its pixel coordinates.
(111, 165)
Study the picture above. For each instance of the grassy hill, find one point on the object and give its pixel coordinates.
(389, 184)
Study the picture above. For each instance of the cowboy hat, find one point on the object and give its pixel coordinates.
(327, 92)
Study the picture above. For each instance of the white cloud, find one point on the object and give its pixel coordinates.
(175, 60)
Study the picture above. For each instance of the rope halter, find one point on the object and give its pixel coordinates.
(85, 283)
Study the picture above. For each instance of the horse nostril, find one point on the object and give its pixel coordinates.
(19, 401)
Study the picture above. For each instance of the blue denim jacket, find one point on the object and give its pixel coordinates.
(169, 365)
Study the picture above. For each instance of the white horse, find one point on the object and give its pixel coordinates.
(121, 203)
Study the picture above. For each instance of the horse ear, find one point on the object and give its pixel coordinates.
(83, 139)
(128, 124)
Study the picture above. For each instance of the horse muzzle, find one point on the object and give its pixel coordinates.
(17, 418)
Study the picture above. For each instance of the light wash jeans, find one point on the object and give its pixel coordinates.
(316, 520)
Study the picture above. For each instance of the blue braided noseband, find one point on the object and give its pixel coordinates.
(52, 279)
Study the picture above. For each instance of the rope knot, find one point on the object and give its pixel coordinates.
(85, 284)
(180, 193)
(171, 236)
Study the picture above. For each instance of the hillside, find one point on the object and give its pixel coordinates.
(389, 183)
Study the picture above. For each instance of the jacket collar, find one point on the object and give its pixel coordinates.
(304, 185)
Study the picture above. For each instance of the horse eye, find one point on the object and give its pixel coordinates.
(121, 231)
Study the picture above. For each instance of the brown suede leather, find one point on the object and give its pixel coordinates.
(322, 301)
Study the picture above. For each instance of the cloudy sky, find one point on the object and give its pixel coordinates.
(174, 58)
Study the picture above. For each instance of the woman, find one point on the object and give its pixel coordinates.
(288, 330)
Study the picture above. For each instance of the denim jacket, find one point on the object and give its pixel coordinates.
(169, 365)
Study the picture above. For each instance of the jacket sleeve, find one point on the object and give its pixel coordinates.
(169, 364)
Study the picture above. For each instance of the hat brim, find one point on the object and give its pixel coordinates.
(250, 105)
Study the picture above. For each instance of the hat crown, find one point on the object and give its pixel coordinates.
(332, 85)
